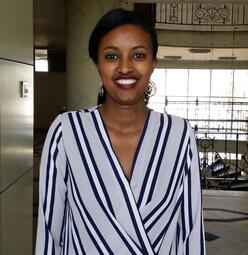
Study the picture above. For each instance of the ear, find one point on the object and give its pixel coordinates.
(98, 68)
(155, 63)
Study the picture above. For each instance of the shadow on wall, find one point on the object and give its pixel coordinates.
(49, 97)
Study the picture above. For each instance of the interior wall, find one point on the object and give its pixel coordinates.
(50, 97)
(16, 127)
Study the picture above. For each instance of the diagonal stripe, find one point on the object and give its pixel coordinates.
(93, 231)
(91, 162)
(96, 180)
(145, 186)
(124, 185)
(174, 180)
(87, 160)
(157, 242)
(76, 237)
(162, 151)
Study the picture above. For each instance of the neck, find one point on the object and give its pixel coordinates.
(124, 117)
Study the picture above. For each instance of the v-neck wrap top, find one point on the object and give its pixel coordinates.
(88, 206)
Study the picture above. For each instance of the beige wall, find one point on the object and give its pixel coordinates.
(50, 97)
(83, 81)
(16, 127)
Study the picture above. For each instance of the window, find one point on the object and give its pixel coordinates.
(50, 60)
(41, 61)
(212, 100)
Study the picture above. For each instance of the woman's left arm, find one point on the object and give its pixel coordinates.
(192, 216)
(52, 193)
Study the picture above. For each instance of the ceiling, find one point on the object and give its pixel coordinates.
(203, 54)
(49, 24)
(50, 32)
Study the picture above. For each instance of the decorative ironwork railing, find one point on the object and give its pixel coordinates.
(214, 16)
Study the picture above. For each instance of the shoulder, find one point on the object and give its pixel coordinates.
(176, 124)
(83, 112)
(64, 117)
(176, 121)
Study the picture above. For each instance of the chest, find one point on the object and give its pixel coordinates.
(125, 146)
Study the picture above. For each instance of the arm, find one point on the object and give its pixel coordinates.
(191, 212)
(52, 193)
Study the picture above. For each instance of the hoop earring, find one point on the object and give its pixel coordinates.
(101, 96)
(150, 89)
(101, 91)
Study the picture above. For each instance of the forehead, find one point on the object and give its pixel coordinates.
(126, 34)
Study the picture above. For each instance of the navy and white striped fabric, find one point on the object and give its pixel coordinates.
(88, 206)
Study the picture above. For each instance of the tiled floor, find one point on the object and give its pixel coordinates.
(226, 222)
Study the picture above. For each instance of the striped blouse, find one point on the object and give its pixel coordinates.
(88, 206)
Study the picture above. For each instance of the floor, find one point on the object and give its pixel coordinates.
(226, 222)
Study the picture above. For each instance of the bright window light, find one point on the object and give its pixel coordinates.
(41, 62)
(213, 100)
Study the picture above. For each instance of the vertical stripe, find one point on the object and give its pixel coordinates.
(49, 162)
(51, 171)
(177, 237)
(183, 220)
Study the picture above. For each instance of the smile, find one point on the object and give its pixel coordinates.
(126, 81)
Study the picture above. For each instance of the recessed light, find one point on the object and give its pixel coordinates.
(227, 58)
(172, 57)
(200, 50)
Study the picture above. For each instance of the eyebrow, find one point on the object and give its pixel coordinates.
(111, 47)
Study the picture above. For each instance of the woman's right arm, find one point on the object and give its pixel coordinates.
(52, 193)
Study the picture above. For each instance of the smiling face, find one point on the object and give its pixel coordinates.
(125, 64)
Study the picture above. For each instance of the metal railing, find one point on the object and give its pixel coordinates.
(203, 16)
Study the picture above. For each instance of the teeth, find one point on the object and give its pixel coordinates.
(126, 81)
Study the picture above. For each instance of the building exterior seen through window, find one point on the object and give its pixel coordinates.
(214, 101)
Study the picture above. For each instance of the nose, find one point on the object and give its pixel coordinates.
(125, 66)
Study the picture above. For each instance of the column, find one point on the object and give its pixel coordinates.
(83, 81)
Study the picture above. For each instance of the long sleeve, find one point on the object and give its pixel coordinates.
(192, 228)
(52, 193)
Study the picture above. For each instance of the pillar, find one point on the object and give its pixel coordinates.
(83, 81)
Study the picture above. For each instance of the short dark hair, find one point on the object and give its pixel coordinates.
(115, 18)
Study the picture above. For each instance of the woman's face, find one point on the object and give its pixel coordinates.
(125, 64)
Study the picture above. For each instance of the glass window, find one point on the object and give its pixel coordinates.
(199, 82)
(41, 62)
(241, 83)
(176, 82)
(221, 83)
(212, 100)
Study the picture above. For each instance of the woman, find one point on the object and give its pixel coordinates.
(119, 178)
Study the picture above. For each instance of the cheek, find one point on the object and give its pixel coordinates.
(147, 72)
(106, 69)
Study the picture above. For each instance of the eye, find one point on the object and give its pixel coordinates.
(111, 57)
(139, 55)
